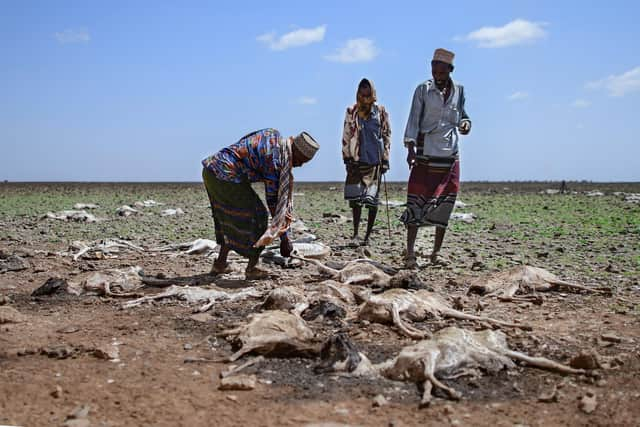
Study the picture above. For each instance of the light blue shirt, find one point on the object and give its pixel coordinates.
(436, 119)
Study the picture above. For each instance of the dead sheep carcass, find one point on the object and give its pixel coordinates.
(393, 305)
(273, 333)
(450, 353)
(524, 280)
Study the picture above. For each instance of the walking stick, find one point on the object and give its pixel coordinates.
(386, 197)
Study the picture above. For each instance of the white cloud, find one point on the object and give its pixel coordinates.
(514, 33)
(581, 103)
(619, 85)
(355, 50)
(297, 38)
(517, 96)
(307, 100)
(80, 35)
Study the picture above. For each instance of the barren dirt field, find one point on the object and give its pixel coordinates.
(73, 355)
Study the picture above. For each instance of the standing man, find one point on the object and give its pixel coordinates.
(431, 137)
(239, 216)
(366, 138)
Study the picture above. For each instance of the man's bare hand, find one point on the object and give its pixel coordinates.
(465, 127)
(411, 156)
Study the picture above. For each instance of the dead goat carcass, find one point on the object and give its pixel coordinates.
(392, 305)
(101, 248)
(111, 282)
(193, 295)
(450, 353)
(71, 215)
(524, 280)
(196, 247)
(357, 272)
(273, 333)
(328, 298)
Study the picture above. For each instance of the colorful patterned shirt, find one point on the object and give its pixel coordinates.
(254, 158)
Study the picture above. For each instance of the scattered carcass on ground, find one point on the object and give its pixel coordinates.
(394, 304)
(195, 247)
(102, 247)
(273, 333)
(111, 282)
(71, 215)
(194, 295)
(451, 352)
(524, 280)
(357, 272)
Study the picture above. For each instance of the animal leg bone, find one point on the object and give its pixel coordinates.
(408, 330)
(602, 290)
(464, 316)
(543, 363)
(245, 365)
(426, 394)
(453, 394)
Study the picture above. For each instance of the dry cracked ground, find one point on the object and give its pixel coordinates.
(85, 360)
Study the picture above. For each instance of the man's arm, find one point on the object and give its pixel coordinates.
(271, 195)
(465, 121)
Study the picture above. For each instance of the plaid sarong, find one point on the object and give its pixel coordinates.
(431, 194)
(362, 185)
(239, 216)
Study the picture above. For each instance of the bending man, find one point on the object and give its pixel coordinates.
(239, 216)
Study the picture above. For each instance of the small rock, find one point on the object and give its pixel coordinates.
(9, 314)
(611, 338)
(201, 317)
(588, 403)
(447, 410)
(379, 401)
(81, 411)
(106, 352)
(238, 382)
(549, 397)
(232, 397)
(586, 360)
(187, 346)
(57, 392)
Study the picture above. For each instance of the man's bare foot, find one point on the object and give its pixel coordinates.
(221, 268)
(257, 273)
(437, 259)
(410, 262)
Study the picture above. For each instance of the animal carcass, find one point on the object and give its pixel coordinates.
(450, 353)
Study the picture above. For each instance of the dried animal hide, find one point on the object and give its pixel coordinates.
(198, 246)
(273, 333)
(112, 283)
(105, 247)
(522, 279)
(194, 295)
(450, 353)
(71, 215)
(391, 306)
(356, 272)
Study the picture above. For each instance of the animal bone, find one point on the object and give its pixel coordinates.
(273, 332)
(194, 295)
(147, 204)
(104, 282)
(524, 279)
(171, 212)
(126, 210)
(71, 215)
(450, 353)
(198, 246)
(391, 305)
(104, 246)
(80, 206)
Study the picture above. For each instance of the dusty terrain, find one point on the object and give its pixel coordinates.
(55, 349)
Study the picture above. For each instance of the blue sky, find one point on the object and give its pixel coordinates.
(142, 91)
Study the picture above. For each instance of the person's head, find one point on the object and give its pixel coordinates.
(366, 94)
(441, 66)
(303, 149)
